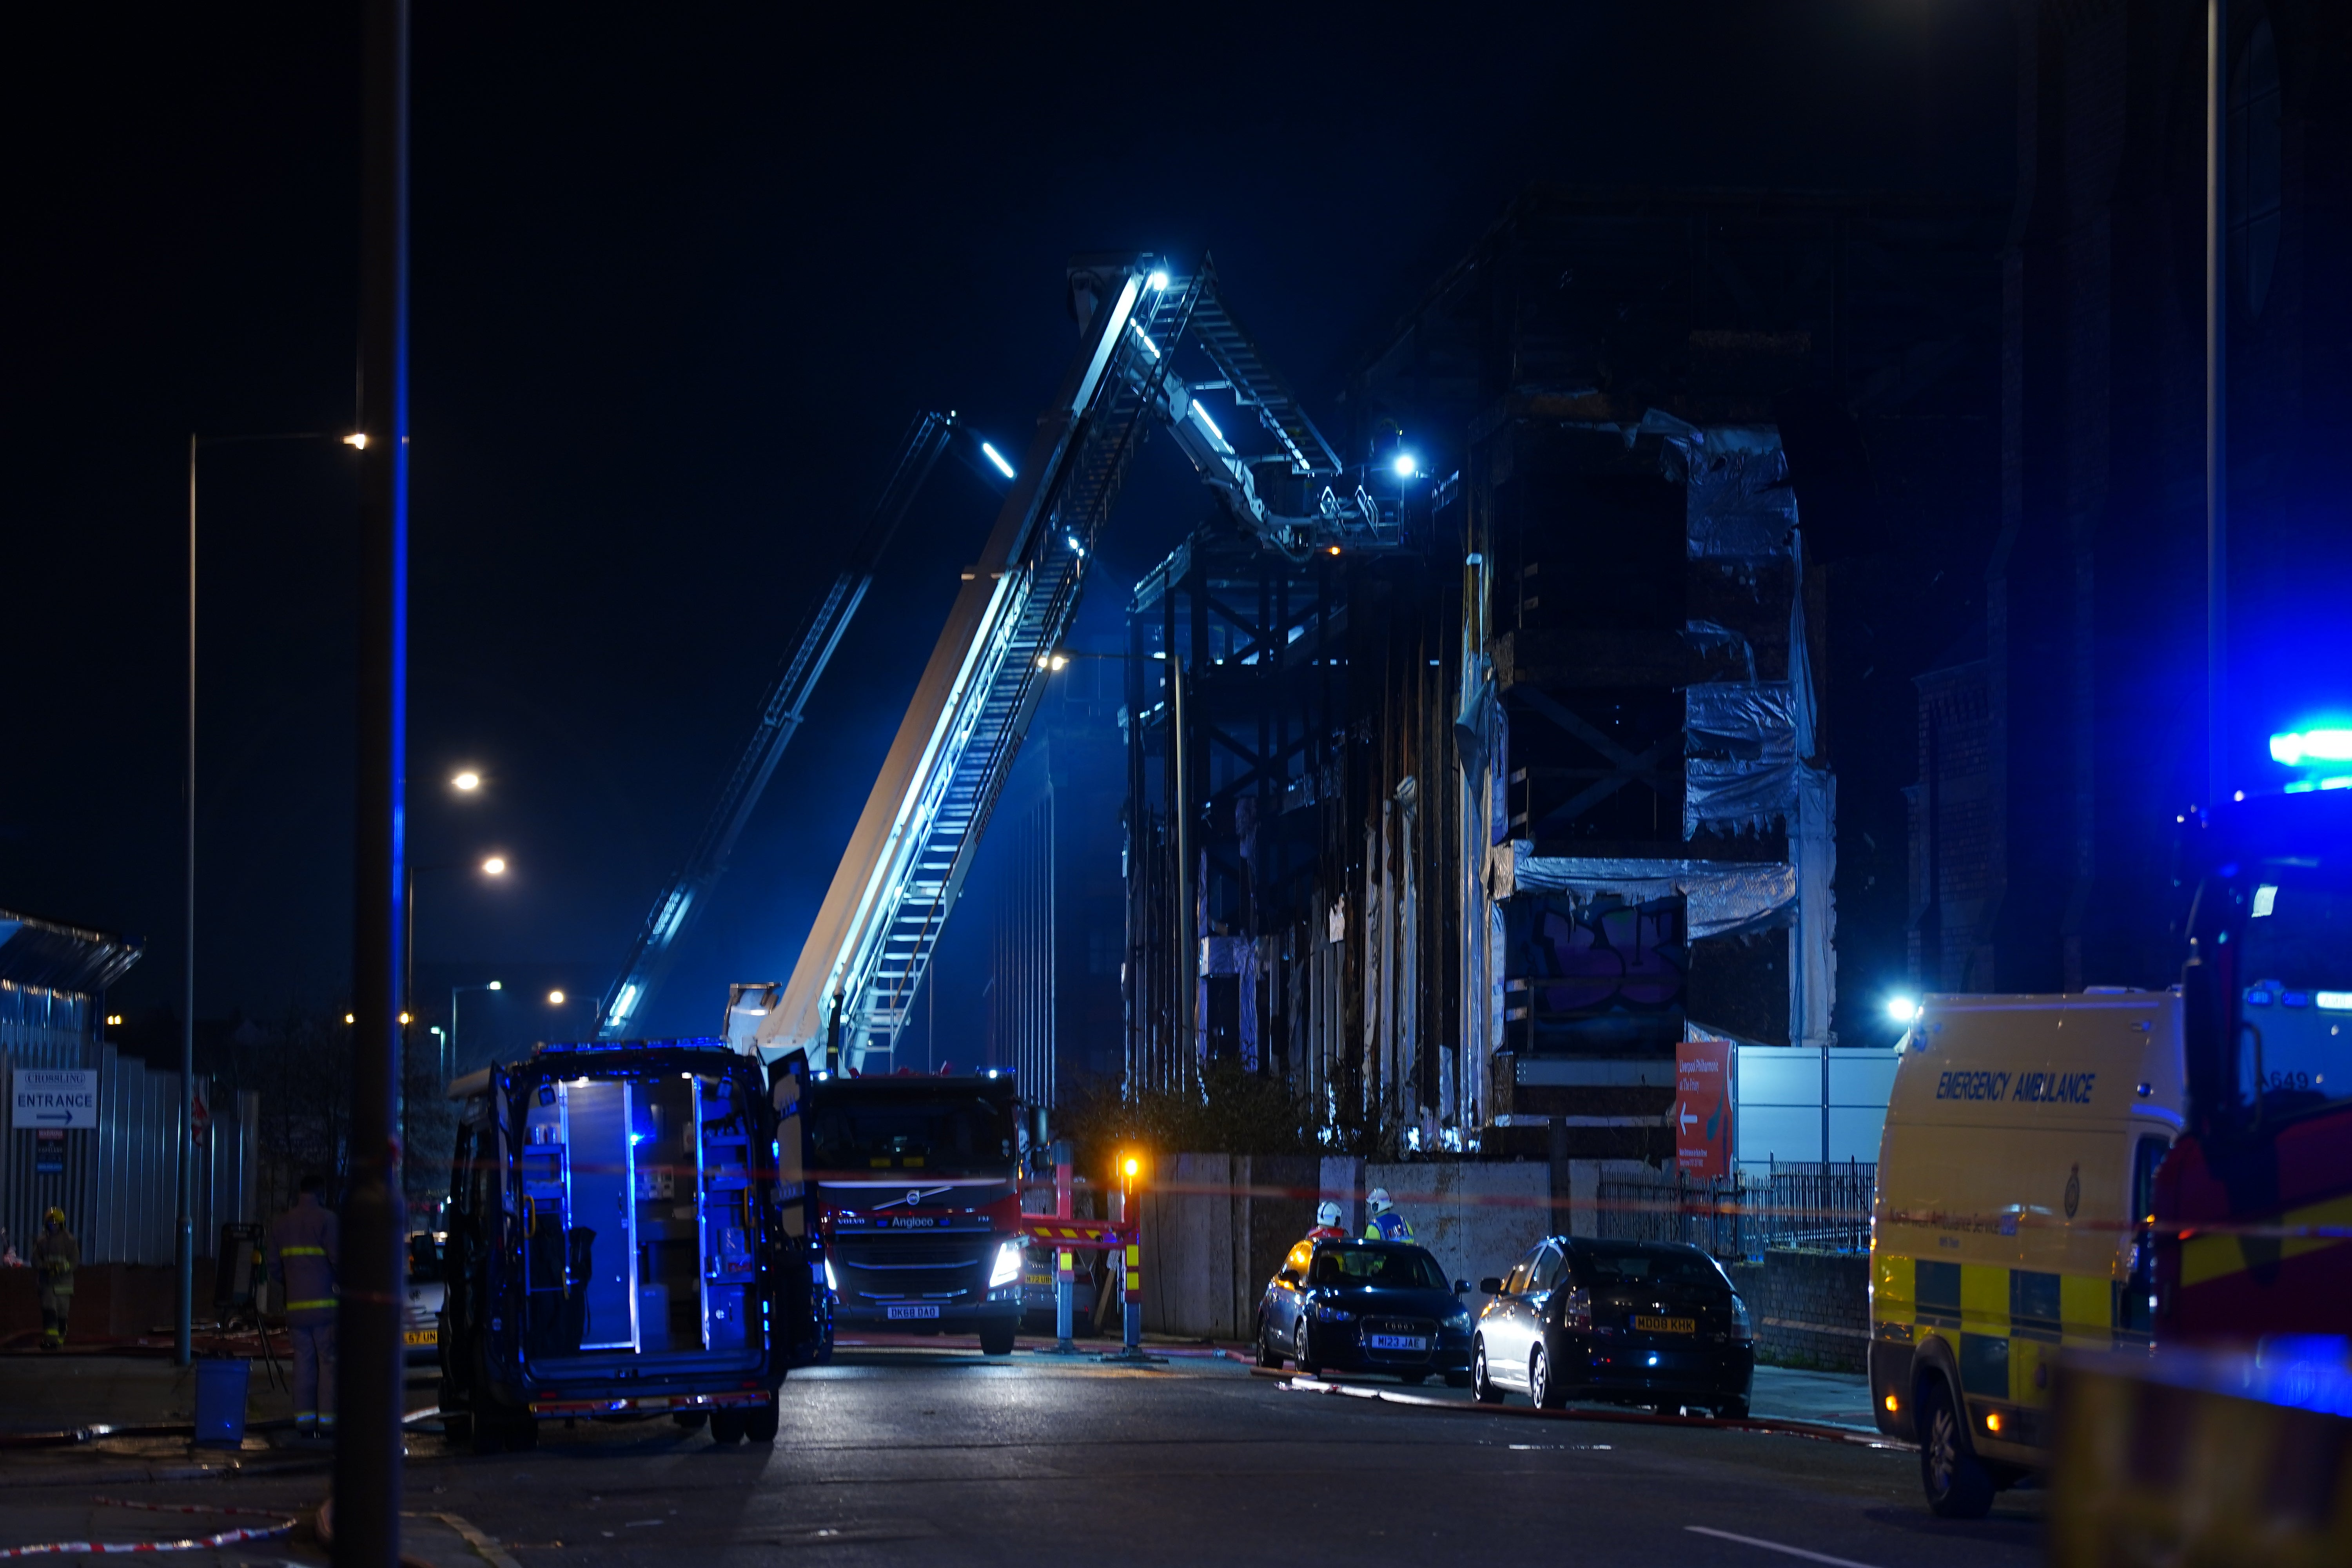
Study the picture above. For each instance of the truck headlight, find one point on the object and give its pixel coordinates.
(1008, 1265)
(831, 1283)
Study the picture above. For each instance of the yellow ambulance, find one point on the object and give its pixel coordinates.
(2015, 1175)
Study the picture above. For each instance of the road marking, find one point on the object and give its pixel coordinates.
(1776, 1546)
(486, 1546)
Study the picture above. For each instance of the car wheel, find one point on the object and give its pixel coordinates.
(996, 1338)
(1301, 1350)
(759, 1424)
(1955, 1481)
(726, 1427)
(1266, 1354)
(1481, 1386)
(1541, 1386)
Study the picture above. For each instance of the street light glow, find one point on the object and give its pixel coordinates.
(358, 439)
(1406, 466)
(555, 998)
(496, 866)
(470, 779)
(496, 986)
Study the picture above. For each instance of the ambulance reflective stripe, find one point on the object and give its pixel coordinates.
(307, 1305)
(2004, 1326)
(301, 1252)
(2205, 1258)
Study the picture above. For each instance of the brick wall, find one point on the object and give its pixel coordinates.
(1811, 1309)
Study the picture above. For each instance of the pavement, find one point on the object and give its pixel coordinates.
(920, 1448)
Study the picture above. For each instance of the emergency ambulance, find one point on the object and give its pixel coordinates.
(2015, 1178)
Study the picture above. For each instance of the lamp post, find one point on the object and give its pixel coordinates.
(183, 1310)
(454, 993)
(488, 866)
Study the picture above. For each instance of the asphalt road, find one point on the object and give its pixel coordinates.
(905, 1457)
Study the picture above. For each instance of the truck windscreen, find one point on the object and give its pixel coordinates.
(2295, 1033)
(853, 1131)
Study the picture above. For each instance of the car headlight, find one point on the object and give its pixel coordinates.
(1331, 1313)
(1008, 1265)
(1743, 1327)
(1458, 1319)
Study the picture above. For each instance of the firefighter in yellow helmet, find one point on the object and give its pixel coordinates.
(306, 1254)
(56, 1255)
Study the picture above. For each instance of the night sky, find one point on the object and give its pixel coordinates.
(682, 276)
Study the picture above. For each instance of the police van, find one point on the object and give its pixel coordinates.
(2015, 1177)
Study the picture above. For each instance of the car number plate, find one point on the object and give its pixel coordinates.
(421, 1337)
(1666, 1325)
(925, 1310)
(1396, 1341)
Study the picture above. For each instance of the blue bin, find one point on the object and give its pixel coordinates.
(220, 1400)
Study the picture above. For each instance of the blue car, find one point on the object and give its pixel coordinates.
(1625, 1322)
(1365, 1306)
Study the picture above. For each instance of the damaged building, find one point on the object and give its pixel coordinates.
(1464, 837)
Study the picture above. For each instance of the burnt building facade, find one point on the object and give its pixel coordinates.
(1612, 748)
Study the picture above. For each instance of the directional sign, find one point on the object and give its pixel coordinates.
(1703, 1109)
(51, 1097)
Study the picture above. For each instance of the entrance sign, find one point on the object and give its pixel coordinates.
(1703, 1109)
(51, 1097)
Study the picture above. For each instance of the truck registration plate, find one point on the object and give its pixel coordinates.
(1396, 1341)
(925, 1310)
(1665, 1325)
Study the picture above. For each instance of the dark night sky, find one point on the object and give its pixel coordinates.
(681, 277)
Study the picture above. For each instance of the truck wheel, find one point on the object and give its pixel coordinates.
(996, 1338)
(692, 1420)
(759, 1424)
(1955, 1481)
(726, 1425)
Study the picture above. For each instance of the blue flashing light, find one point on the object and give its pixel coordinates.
(2296, 747)
(1206, 423)
(998, 459)
(1405, 465)
(1159, 280)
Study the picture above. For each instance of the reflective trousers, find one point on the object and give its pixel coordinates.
(314, 1373)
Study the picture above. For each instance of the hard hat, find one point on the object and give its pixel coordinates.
(1379, 1201)
(1327, 1214)
(54, 1216)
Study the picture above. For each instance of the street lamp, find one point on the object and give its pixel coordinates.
(467, 781)
(183, 1315)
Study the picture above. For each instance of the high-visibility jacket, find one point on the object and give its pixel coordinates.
(1389, 1227)
(55, 1256)
(305, 1256)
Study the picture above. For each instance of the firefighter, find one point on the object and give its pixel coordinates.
(1326, 1223)
(56, 1255)
(1385, 1223)
(305, 1254)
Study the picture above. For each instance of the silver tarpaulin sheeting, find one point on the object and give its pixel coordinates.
(1740, 764)
(1722, 897)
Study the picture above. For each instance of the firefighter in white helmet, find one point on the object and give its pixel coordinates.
(1384, 1223)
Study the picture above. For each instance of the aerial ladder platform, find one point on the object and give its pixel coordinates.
(850, 994)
